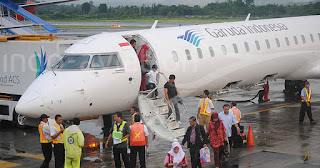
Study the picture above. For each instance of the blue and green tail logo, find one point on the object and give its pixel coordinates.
(41, 64)
(192, 36)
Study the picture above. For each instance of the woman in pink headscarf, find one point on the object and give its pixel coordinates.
(217, 133)
(143, 59)
(175, 157)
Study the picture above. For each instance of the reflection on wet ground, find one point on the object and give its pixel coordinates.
(280, 141)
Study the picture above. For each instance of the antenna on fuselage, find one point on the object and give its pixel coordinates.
(248, 17)
(154, 25)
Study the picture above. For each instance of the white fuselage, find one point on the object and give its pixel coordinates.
(202, 57)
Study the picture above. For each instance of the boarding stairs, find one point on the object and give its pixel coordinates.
(9, 21)
(154, 113)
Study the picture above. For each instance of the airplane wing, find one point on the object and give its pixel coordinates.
(45, 3)
(18, 26)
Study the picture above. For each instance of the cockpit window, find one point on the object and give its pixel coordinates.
(102, 61)
(73, 62)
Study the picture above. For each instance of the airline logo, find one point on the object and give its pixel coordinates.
(41, 62)
(192, 36)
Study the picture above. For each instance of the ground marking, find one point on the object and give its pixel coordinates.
(270, 109)
(31, 156)
(4, 164)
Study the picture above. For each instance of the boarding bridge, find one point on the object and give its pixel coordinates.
(154, 113)
(19, 10)
(8, 21)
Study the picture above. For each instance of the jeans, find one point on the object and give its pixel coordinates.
(174, 103)
(152, 86)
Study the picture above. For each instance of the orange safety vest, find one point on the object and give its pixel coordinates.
(236, 113)
(59, 138)
(203, 110)
(43, 139)
(137, 137)
(308, 95)
(132, 119)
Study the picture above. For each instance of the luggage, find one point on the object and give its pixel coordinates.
(243, 139)
(204, 155)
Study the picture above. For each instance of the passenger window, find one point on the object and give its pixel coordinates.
(303, 39)
(74, 62)
(224, 50)
(211, 51)
(278, 42)
(257, 45)
(175, 56)
(102, 61)
(268, 44)
(235, 47)
(287, 41)
(188, 54)
(247, 46)
(311, 37)
(200, 53)
(295, 40)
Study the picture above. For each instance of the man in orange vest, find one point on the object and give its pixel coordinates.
(235, 138)
(45, 140)
(205, 108)
(138, 142)
(306, 103)
(56, 132)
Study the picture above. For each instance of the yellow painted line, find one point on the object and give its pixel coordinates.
(4, 164)
(31, 156)
(270, 109)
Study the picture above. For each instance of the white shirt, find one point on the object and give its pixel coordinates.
(153, 76)
(227, 121)
(46, 130)
(210, 105)
(54, 130)
(145, 130)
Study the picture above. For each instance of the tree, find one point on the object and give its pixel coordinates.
(102, 8)
(86, 7)
(249, 2)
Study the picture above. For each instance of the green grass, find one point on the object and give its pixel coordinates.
(99, 27)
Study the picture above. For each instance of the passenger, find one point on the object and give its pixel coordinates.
(171, 94)
(56, 132)
(120, 134)
(138, 142)
(236, 140)
(227, 119)
(196, 138)
(306, 103)
(217, 134)
(175, 157)
(74, 140)
(45, 140)
(205, 108)
(144, 66)
(153, 79)
(133, 44)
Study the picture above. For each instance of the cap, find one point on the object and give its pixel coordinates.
(44, 116)
(307, 83)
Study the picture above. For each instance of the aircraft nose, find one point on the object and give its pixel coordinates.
(30, 104)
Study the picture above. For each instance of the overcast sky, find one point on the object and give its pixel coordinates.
(185, 2)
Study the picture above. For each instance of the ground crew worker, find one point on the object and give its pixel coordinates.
(45, 140)
(138, 142)
(306, 103)
(120, 134)
(56, 132)
(205, 108)
(236, 140)
(74, 140)
(133, 111)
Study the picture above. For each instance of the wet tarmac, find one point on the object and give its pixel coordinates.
(280, 141)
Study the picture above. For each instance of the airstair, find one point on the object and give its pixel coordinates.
(154, 113)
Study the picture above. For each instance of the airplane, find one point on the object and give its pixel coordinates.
(216, 57)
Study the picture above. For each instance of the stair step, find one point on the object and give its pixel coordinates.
(173, 125)
(179, 132)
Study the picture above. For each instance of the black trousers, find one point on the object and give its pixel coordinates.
(125, 157)
(47, 153)
(59, 155)
(304, 108)
(142, 156)
(195, 156)
(235, 138)
(152, 86)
